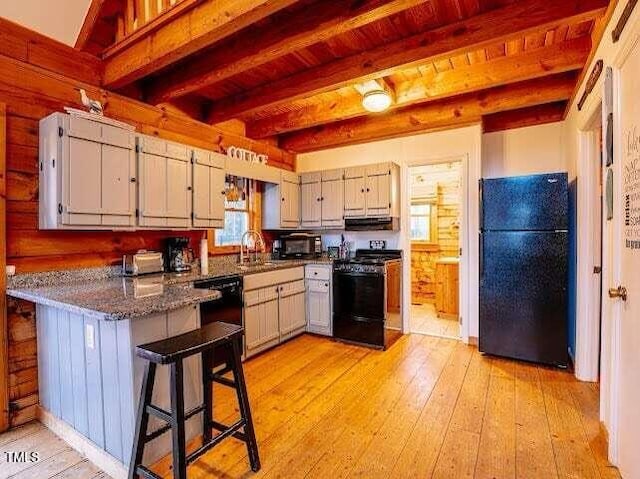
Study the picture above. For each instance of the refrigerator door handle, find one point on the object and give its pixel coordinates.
(481, 246)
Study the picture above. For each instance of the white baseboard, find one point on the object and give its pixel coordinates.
(84, 446)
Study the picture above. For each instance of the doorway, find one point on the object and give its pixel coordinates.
(435, 213)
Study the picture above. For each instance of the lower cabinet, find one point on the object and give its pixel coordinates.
(319, 298)
(273, 312)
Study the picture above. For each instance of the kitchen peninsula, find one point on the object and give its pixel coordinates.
(89, 324)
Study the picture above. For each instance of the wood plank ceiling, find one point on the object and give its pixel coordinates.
(288, 69)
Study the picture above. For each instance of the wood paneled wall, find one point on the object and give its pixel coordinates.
(37, 77)
(424, 257)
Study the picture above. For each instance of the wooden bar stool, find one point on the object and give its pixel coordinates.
(173, 351)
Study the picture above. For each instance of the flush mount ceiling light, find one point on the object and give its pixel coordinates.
(376, 101)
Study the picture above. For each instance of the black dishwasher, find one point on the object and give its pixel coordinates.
(228, 308)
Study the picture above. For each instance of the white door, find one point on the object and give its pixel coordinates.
(354, 192)
(319, 306)
(84, 176)
(216, 180)
(378, 188)
(628, 207)
(310, 194)
(153, 186)
(178, 188)
(208, 195)
(291, 203)
(291, 307)
(332, 202)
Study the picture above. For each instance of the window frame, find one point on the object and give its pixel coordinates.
(433, 222)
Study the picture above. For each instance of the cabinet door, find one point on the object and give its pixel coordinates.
(84, 177)
(216, 180)
(290, 203)
(310, 194)
(332, 203)
(178, 189)
(354, 196)
(208, 196)
(292, 315)
(378, 195)
(261, 324)
(153, 186)
(118, 189)
(319, 307)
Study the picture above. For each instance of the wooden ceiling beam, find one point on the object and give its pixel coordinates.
(531, 116)
(500, 25)
(443, 114)
(196, 28)
(566, 56)
(90, 20)
(282, 36)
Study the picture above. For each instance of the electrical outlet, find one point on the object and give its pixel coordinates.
(89, 336)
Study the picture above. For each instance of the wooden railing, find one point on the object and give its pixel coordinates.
(140, 17)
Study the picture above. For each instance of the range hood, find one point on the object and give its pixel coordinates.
(372, 224)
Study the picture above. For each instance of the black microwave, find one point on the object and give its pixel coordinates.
(300, 245)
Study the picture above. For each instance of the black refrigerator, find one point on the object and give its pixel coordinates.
(524, 261)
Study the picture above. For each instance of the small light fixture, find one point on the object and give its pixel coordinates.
(376, 101)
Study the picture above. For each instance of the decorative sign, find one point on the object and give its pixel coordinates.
(591, 82)
(246, 155)
(624, 18)
(631, 188)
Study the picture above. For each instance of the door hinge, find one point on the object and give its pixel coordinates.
(460, 252)
(192, 215)
(137, 213)
(60, 131)
(53, 162)
(597, 269)
(389, 205)
(60, 208)
(137, 148)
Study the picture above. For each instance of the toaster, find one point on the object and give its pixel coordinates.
(142, 262)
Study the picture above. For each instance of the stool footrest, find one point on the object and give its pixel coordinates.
(163, 429)
(147, 473)
(222, 427)
(216, 378)
(216, 440)
(160, 413)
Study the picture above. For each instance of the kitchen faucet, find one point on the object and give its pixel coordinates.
(257, 240)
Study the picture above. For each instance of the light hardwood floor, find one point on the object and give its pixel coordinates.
(427, 407)
(425, 320)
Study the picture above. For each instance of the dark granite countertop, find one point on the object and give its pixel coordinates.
(117, 298)
(105, 294)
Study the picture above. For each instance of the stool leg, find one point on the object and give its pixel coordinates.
(177, 428)
(142, 418)
(207, 414)
(245, 408)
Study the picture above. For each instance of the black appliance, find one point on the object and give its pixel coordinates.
(524, 260)
(367, 292)
(300, 245)
(227, 309)
(178, 255)
(372, 224)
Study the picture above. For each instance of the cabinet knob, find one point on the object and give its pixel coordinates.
(362, 190)
(133, 180)
(188, 188)
(283, 198)
(367, 190)
(317, 199)
(326, 284)
(223, 192)
(315, 273)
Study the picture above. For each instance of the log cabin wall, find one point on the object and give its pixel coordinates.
(445, 179)
(39, 76)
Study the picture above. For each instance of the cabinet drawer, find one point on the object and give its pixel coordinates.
(318, 272)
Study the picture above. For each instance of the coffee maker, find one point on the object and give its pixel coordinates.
(178, 255)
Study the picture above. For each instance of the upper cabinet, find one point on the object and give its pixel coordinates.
(208, 189)
(87, 174)
(372, 191)
(281, 205)
(322, 199)
(165, 197)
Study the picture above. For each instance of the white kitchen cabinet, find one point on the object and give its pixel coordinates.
(372, 191)
(322, 199)
(208, 189)
(281, 204)
(274, 308)
(165, 183)
(332, 199)
(354, 192)
(319, 299)
(87, 174)
(291, 309)
(262, 327)
(310, 200)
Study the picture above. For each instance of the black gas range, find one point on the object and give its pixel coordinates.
(367, 297)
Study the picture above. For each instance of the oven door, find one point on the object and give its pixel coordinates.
(359, 295)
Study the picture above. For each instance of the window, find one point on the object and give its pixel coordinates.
(422, 224)
(236, 216)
